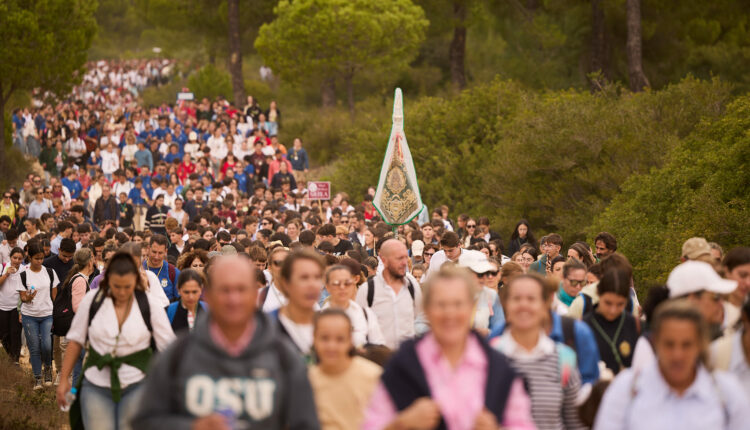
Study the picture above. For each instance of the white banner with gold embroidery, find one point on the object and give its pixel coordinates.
(397, 198)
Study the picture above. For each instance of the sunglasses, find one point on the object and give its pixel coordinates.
(574, 283)
(487, 274)
(277, 263)
(6, 196)
(471, 226)
(429, 254)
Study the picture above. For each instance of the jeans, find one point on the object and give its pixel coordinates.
(10, 333)
(39, 340)
(99, 411)
(63, 347)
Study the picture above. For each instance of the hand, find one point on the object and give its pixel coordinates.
(486, 421)
(211, 422)
(423, 414)
(62, 390)
(12, 269)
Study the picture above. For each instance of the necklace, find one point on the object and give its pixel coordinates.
(611, 341)
(147, 267)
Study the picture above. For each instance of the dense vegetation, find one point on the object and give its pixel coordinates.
(513, 108)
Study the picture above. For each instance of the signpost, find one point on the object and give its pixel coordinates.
(319, 190)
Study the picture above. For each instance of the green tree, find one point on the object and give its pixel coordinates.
(44, 45)
(702, 190)
(326, 40)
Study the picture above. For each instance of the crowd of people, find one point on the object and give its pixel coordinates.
(168, 270)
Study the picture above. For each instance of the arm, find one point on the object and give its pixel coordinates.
(77, 292)
(158, 392)
(517, 414)
(307, 161)
(588, 353)
(72, 352)
(299, 408)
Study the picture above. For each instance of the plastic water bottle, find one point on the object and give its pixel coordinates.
(70, 397)
(229, 416)
(32, 289)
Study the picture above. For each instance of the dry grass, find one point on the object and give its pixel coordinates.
(21, 406)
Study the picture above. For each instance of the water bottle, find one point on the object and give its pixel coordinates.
(32, 289)
(229, 416)
(70, 397)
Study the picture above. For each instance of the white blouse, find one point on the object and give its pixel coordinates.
(364, 330)
(105, 337)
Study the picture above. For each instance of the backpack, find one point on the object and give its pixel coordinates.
(569, 332)
(51, 280)
(62, 307)
(140, 297)
(371, 290)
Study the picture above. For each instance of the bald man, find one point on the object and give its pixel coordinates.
(234, 363)
(394, 296)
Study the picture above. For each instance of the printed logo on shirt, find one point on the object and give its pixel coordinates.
(254, 397)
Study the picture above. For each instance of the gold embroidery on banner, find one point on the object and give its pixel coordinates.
(399, 200)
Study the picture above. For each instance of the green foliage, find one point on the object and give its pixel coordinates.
(702, 190)
(210, 82)
(315, 39)
(556, 159)
(156, 95)
(44, 44)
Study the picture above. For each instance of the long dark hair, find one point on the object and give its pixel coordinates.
(80, 260)
(122, 263)
(530, 239)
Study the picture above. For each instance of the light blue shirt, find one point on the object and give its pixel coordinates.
(54, 245)
(648, 403)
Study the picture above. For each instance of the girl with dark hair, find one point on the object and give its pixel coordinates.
(10, 326)
(38, 288)
(521, 234)
(341, 381)
(183, 313)
(120, 322)
(582, 253)
(615, 329)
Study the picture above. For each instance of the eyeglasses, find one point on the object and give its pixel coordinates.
(429, 254)
(339, 284)
(574, 283)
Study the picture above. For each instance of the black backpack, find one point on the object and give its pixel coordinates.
(62, 307)
(371, 290)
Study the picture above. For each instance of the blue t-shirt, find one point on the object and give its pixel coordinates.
(73, 186)
(169, 285)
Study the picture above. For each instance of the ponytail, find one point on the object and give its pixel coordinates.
(81, 259)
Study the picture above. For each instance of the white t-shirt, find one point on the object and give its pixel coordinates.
(301, 334)
(110, 162)
(41, 306)
(9, 289)
(364, 330)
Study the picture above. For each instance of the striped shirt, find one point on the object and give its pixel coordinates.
(553, 389)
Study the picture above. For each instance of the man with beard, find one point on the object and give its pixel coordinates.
(394, 296)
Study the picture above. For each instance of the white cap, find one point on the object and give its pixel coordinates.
(268, 150)
(694, 276)
(475, 261)
(192, 136)
(417, 248)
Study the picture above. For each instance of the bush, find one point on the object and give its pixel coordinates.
(556, 159)
(210, 82)
(702, 190)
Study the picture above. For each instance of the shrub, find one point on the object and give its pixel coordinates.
(210, 82)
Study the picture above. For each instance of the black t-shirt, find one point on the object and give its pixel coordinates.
(53, 262)
(624, 343)
(342, 247)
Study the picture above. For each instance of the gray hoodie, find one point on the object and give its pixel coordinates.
(266, 387)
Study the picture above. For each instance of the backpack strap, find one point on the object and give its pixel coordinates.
(95, 305)
(569, 331)
(588, 305)
(262, 296)
(370, 291)
(172, 311)
(410, 287)
(142, 299)
(567, 362)
(172, 273)
(23, 280)
(367, 322)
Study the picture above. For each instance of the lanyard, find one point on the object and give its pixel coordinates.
(611, 341)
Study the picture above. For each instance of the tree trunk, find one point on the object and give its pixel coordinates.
(350, 93)
(458, 45)
(3, 100)
(328, 92)
(599, 53)
(638, 79)
(235, 52)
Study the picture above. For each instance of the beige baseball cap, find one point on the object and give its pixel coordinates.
(695, 247)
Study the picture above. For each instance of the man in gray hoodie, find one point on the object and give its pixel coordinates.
(233, 371)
